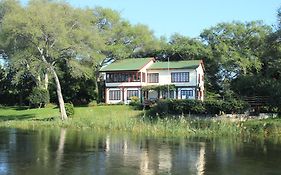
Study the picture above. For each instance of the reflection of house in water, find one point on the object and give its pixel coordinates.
(149, 156)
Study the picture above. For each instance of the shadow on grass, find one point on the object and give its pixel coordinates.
(16, 117)
(17, 108)
(45, 119)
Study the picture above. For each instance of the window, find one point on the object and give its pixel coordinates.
(180, 77)
(153, 77)
(143, 77)
(185, 94)
(165, 94)
(114, 95)
(123, 77)
(132, 93)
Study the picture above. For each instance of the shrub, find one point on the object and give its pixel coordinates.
(188, 106)
(174, 106)
(93, 103)
(69, 108)
(134, 99)
(213, 106)
(39, 97)
(135, 103)
(235, 106)
(51, 105)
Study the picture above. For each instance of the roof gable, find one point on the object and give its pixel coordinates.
(189, 64)
(131, 64)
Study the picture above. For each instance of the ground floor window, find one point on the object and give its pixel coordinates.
(132, 93)
(165, 94)
(185, 94)
(114, 95)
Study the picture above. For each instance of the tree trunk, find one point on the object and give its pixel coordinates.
(59, 94)
(46, 81)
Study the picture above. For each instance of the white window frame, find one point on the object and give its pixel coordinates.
(114, 95)
(188, 93)
(133, 92)
(153, 77)
(179, 77)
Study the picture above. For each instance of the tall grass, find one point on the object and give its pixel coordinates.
(124, 119)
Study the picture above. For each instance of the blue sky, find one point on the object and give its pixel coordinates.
(187, 17)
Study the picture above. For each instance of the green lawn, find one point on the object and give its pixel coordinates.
(121, 118)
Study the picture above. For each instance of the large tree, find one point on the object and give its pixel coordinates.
(122, 39)
(236, 50)
(44, 33)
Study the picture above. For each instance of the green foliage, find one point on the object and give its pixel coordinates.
(69, 109)
(39, 97)
(173, 106)
(136, 103)
(159, 87)
(109, 118)
(93, 103)
(122, 39)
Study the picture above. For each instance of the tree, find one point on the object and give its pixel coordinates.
(122, 40)
(46, 32)
(237, 46)
(183, 48)
(236, 50)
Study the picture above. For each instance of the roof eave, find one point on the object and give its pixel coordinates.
(119, 70)
(191, 67)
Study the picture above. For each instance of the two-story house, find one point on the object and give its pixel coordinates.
(139, 77)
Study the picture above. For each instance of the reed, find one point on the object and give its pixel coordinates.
(121, 118)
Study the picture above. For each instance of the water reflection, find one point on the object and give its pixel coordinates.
(87, 152)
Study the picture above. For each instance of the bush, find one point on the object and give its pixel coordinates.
(135, 103)
(51, 105)
(39, 97)
(69, 108)
(174, 106)
(93, 103)
(214, 106)
(178, 106)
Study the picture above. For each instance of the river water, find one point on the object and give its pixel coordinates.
(62, 151)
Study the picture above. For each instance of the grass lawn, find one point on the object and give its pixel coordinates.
(123, 118)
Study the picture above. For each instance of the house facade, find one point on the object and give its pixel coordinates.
(148, 79)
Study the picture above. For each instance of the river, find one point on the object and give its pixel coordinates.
(65, 151)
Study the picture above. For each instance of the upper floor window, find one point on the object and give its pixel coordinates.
(123, 77)
(153, 77)
(143, 77)
(180, 77)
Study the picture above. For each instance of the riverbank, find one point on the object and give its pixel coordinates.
(121, 118)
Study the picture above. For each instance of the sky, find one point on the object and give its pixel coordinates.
(187, 17)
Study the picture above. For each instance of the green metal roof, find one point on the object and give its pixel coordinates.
(131, 64)
(190, 64)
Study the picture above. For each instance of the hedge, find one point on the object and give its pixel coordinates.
(187, 106)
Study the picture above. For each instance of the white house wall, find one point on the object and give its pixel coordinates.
(200, 72)
(165, 77)
(124, 84)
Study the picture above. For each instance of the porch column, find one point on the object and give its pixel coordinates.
(123, 95)
(141, 95)
(105, 95)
